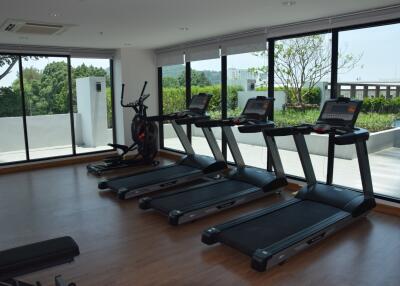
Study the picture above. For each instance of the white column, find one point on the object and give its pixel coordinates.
(92, 110)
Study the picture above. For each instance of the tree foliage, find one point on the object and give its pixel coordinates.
(9, 61)
(46, 91)
(303, 62)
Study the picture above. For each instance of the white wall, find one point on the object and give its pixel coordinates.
(133, 66)
(43, 131)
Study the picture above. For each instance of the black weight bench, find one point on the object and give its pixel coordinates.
(34, 257)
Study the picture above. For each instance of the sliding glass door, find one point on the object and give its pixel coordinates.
(45, 83)
(51, 108)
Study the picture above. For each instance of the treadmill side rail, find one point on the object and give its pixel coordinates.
(176, 217)
(270, 256)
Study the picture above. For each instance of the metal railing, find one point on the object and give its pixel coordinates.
(365, 90)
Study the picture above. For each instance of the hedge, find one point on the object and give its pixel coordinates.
(174, 97)
(372, 121)
(309, 95)
(381, 104)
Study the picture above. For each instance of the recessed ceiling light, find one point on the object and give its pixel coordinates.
(289, 3)
(184, 29)
(54, 14)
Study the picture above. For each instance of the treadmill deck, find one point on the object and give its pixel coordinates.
(152, 177)
(197, 195)
(268, 229)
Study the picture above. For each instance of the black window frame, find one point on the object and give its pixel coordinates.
(271, 62)
(70, 105)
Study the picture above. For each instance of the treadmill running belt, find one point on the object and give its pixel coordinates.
(152, 177)
(265, 230)
(194, 196)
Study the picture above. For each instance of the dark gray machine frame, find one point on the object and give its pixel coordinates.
(345, 205)
(251, 183)
(190, 168)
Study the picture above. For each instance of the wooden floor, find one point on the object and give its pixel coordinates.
(123, 245)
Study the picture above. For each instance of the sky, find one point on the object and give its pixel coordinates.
(378, 48)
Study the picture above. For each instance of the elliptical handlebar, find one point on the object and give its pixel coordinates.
(139, 101)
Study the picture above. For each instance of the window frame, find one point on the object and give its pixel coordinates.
(271, 63)
(70, 103)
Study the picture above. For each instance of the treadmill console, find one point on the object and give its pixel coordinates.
(257, 108)
(199, 103)
(341, 112)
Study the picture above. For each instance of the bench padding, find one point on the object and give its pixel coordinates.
(37, 256)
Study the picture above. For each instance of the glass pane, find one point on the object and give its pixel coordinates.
(92, 104)
(206, 78)
(371, 73)
(302, 76)
(174, 100)
(247, 78)
(12, 144)
(47, 106)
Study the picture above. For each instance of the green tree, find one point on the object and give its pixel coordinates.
(170, 82)
(10, 103)
(300, 63)
(9, 61)
(85, 71)
(198, 78)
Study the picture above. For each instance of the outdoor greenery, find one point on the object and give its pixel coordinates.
(372, 121)
(303, 62)
(381, 105)
(377, 113)
(46, 91)
(308, 95)
(174, 98)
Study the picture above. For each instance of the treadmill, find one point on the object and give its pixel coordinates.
(241, 185)
(271, 235)
(190, 168)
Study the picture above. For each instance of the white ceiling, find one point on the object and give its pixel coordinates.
(157, 23)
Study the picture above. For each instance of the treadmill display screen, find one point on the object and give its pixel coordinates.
(257, 107)
(340, 111)
(199, 102)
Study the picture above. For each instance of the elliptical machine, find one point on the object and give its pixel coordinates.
(144, 136)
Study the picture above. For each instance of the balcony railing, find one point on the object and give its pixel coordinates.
(365, 90)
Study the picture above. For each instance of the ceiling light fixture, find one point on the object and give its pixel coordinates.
(54, 14)
(289, 3)
(184, 29)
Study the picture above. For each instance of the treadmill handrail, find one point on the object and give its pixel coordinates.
(351, 137)
(233, 121)
(254, 128)
(174, 116)
(289, 130)
(191, 119)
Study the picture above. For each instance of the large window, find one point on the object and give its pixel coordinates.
(91, 87)
(45, 81)
(206, 78)
(174, 100)
(374, 77)
(247, 76)
(301, 76)
(12, 144)
(41, 99)
(308, 70)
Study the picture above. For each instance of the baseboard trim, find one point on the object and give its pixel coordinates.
(51, 163)
(387, 208)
